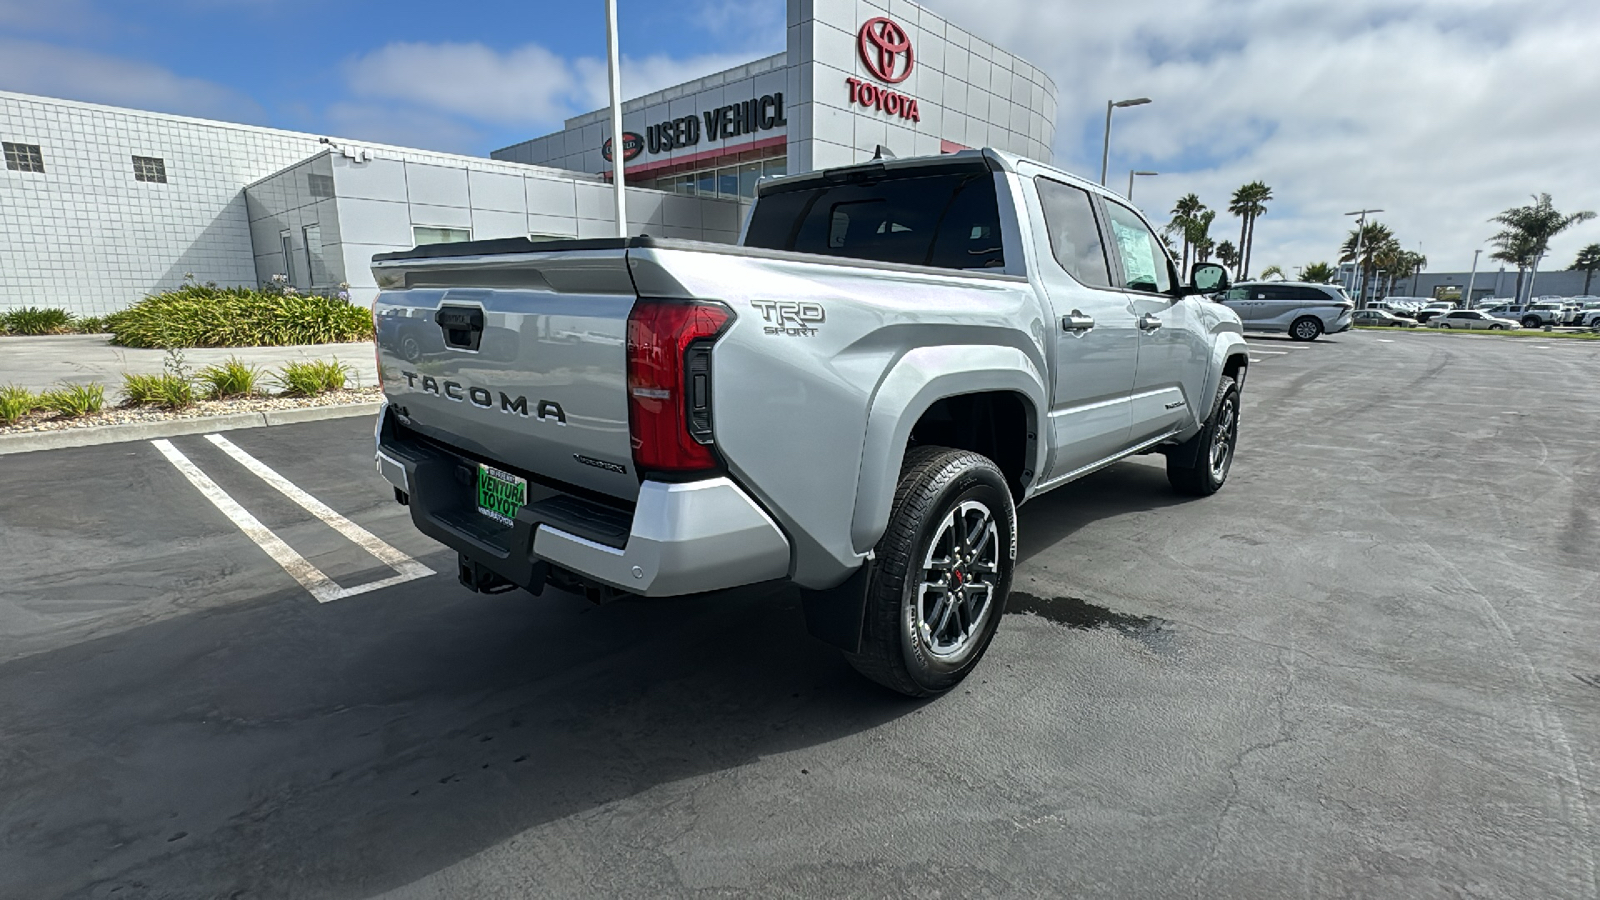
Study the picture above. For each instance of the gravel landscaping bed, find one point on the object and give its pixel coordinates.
(127, 415)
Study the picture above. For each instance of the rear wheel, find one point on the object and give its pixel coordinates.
(1210, 451)
(941, 575)
(1305, 328)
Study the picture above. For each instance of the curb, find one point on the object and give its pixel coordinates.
(144, 431)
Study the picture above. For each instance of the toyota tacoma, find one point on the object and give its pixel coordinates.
(854, 399)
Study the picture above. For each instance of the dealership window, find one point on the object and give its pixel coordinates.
(316, 263)
(150, 168)
(286, 241)
(433, 234)
(726, 182)
(23, 157)
(319, 185)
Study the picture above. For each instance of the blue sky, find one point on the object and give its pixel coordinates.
(1441, 112)
(309, 65)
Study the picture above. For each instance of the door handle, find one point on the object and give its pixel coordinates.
(1148, 322)
(1076, 321)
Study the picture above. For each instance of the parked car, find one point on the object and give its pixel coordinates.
(1542, 313)
(1589, 316)
(1578, 308)
(1472, 318)
(1303, 310)
(1400, 306)
(1437, 307)
(853, 401)
(1381, 318)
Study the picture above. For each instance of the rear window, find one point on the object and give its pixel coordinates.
(950, 220)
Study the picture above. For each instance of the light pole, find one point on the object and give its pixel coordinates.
(1361, 227)
(1132, 173)
(1471, 279)
(617, 152)
(1105, 149)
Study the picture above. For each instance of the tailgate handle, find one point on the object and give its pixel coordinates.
(462, 326)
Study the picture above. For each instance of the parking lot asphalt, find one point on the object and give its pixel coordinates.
(1367, 667)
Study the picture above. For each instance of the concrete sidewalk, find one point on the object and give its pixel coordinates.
(40, 363)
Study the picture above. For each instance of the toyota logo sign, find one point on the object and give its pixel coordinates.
(881, 42)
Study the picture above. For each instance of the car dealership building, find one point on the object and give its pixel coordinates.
(100, 206)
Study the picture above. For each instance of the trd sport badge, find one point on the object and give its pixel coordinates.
(791, 318)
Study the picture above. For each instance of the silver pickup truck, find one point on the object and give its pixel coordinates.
(854, 399)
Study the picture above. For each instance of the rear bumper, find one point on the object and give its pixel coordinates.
(1342, 323)
(684, 538)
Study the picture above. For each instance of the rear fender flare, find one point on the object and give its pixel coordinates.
(919, 379)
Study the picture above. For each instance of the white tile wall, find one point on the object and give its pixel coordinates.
(86, 236)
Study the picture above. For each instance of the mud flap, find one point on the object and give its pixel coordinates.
(836, 616)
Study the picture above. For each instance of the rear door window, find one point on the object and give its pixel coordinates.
(1074, 234)
(945, 218)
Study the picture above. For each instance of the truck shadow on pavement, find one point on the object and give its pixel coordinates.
(1138, 485)
(284, 748)
(290, 749)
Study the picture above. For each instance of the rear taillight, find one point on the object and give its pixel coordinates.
(669, 383)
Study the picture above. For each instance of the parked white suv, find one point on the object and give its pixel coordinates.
(1303, 310)
(1545, 312)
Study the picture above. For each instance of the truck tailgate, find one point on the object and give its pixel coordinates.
(521, 360)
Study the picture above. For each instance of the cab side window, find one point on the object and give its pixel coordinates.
(1074, 234)
(1144, 260)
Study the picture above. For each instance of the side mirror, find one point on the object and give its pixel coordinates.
(1208, 278)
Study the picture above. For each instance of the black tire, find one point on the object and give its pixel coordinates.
(410, 348)
(938, 489)
(1205, 474)
(1306, 328)
(1531, 322)
(1497, 328)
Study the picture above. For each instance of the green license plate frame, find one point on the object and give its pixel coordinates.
(500, 495)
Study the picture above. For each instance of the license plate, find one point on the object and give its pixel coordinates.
(500, 494)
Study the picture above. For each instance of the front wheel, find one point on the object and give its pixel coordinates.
(1497, 328)
(941, 574)
(1305, 328)
(1531, 322)
(1199, 466)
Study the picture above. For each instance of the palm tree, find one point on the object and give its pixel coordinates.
(1184, 212)
(1228, 255)
(1270, 271)
(1528, 230)
(1515, 250)
(1197, 234)
(1317, 273)
(1372, 238)
(1588, 262)
(1249, 203)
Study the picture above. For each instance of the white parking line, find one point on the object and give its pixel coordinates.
(1270, 352)
(320, 586)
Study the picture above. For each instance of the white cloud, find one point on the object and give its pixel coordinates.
(1441, 112)
(528, 86)
(53, 71)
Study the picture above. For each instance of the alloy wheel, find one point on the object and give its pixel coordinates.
(959, 577)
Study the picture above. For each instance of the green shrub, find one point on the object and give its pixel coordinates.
(33, 320)
(306, 379)
(168, 391)
(233, 378)
(90, 325)
(207, 316)
(16, 401)
(75, 399)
